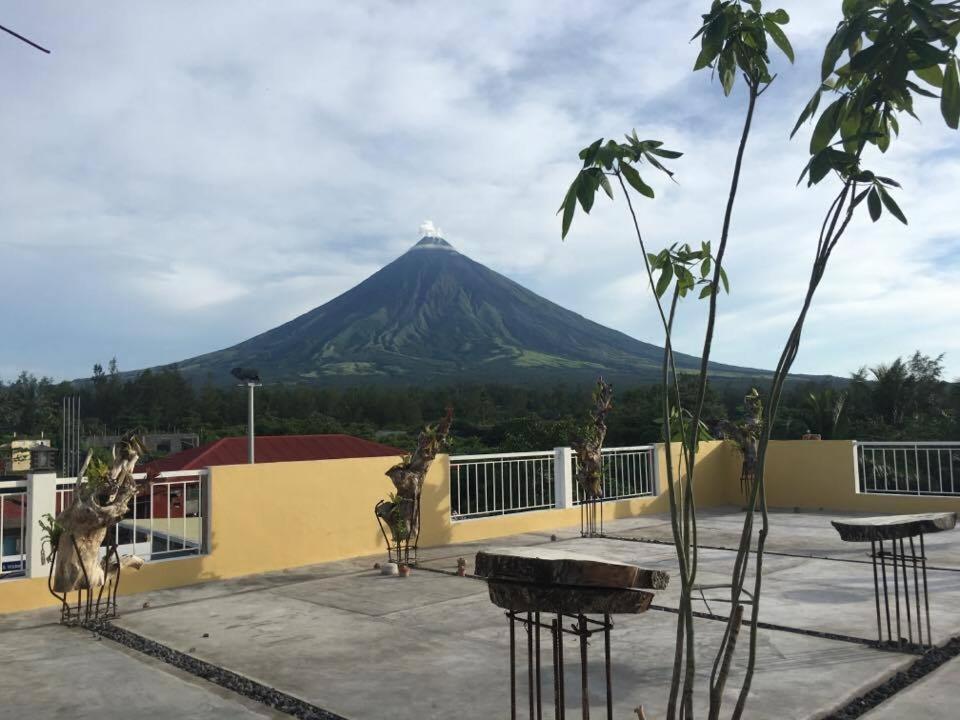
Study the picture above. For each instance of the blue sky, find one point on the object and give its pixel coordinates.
(179, 176)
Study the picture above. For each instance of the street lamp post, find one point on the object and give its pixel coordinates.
(250, 378)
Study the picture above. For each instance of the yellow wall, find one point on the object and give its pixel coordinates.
(264, 517)
(819, 475)
(282, 515)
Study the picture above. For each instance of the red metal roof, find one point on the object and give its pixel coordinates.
(14, 507)
(272, 448)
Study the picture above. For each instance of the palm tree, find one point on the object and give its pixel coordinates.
(824, 412)
(891, 391)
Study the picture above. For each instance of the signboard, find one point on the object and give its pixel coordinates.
(12, 566)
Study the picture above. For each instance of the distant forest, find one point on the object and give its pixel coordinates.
(907, 399)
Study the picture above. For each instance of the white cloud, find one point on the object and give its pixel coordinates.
(250, 161)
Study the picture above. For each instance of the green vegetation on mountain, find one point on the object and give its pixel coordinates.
(434, 316)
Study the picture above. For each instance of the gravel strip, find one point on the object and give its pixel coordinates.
(921, 667)
(224, 678)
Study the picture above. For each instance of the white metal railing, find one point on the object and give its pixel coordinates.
(13, 528)
(627, 472)
(165, 520)
(498, 484)
(908, 468)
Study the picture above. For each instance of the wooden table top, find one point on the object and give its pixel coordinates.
(542, 579)
(893, 527)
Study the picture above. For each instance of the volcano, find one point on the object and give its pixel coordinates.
(434, 316)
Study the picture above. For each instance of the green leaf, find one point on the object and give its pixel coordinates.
(809, 110)
(874, 205)
(883, 141)
(860, 196)
(727, 78)
(778, 36)
(932, 75)
(950, 99)
(666, 275)
(707, 290)
(605, 184)
(723, 279)
(589, 154)
(827, 126)
(569, 206)
(919, 90)
(778, 16)
(585, 194)
(920, 18)
(891, 205)
(706, 57)
(833, 51)
(705, 267)
(633, 177)
(670, 154)
(865, 60)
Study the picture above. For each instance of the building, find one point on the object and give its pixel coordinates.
(272, 449)
(22, 455)
(169, 500)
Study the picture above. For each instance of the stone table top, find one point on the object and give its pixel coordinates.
(893, 527)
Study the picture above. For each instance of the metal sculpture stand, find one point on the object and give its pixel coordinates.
(582, 628)
(90, 612)
(902, 564)
(555, 592)
(591, 511)
(402, 550)
(898, 564)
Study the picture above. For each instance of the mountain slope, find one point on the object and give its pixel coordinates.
(436, 316)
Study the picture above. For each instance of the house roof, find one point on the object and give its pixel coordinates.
(14, 508)
(272, 448)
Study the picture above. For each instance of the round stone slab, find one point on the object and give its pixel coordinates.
(524, 597)
(546, 567)
(893, 527)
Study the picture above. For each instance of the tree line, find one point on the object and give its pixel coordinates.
(907, 399)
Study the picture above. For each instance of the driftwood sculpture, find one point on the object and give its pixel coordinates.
(401, 513)
(100, 500)
(588, 448)
(746, 436)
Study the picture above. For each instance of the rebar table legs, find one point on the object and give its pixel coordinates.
(582, 628)
(899, 562)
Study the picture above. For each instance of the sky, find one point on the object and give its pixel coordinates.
(179, 176)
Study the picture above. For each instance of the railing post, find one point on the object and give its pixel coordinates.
(563, 477)
(856, 472)
(41, 499)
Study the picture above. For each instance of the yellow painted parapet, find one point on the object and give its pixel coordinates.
(821, 475)
(275, 516)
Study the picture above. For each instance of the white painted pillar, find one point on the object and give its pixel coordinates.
(563, 477)
(41, 499)
(659, 476)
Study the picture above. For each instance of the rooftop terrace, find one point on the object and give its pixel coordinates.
(359, 645)
(264, 574)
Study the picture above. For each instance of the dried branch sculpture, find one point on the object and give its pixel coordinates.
(588, 448)
(401, 513)
(101, 499)
(745, 435)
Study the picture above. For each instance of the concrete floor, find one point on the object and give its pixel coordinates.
(52, 672)
(430, 646)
